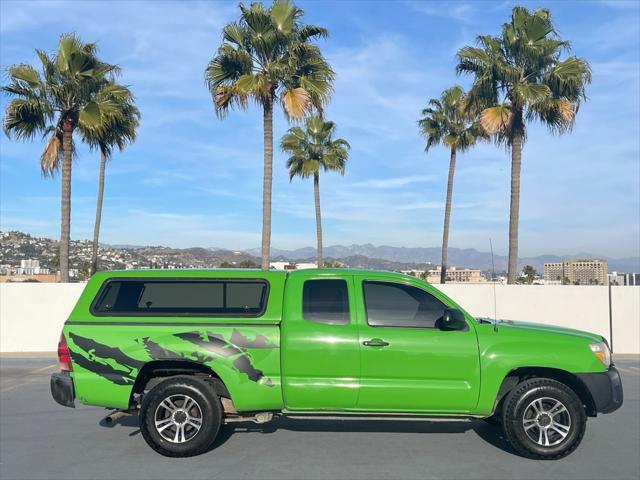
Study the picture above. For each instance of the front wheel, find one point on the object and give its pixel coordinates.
(543, 419)
(180, 417)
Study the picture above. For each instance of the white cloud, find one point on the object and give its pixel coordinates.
(179, 230)
(622, 4)
(192, 179)
(393, 182)
(463, 12)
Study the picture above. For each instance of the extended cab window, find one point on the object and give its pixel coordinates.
(325, 301)
(397, 305)
(182, 297)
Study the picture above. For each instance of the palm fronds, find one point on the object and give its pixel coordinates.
(267, 56)
(521, 70)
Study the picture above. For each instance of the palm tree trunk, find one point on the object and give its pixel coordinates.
(96, 226)
(65, 201)
(266, 183)
(514, 213)
(447, 216)
(316, 197)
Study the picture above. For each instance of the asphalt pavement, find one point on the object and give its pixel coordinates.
(40, 439)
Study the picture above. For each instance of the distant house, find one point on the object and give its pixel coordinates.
(456, 275)
(291, 265)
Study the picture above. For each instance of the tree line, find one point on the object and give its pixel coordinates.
(270, 57)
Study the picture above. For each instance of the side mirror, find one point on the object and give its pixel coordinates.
(453, 319)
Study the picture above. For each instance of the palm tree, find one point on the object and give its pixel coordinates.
(120, 131)
(57, 102)
(520, 77)
(267, 56)
(529, 273)
(448, 121)
(312, 149)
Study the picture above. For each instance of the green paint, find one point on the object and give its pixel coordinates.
(280, 361)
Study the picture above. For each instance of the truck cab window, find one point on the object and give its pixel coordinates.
(325, 301)
(398, 305)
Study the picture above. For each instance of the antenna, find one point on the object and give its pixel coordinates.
(493, 278)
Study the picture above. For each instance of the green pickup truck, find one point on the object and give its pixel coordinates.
(191, 350)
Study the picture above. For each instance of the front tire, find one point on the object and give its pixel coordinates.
(181, 417)
(543, 419)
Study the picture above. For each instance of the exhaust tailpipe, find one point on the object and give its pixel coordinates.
(111, 419)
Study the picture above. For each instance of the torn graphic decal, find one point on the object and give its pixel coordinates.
(158, 352)
(102, 369)
(114, 365)
(97, 358)
(95, 349)
(214, 343)
(261, 341)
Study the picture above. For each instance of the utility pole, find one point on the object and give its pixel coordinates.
(610, 317)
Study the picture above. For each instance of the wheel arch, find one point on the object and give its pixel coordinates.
(517, 375)
(158, 370)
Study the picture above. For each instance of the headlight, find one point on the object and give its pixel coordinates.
(601, 350)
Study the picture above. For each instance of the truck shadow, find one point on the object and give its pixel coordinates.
(491, 434)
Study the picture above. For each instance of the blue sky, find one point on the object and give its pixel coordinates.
(194, 180)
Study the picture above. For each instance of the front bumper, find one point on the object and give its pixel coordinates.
(62, 389)
(605, 389)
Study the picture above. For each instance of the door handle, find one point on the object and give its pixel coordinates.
(375, 343)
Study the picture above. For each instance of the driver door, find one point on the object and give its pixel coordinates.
(408, 364)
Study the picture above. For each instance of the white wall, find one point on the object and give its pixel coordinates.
(579, 307)
(32, 315)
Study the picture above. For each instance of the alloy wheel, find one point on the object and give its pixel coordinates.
(546, 421)
(178, 418)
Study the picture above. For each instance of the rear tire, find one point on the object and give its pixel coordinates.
(543, 419)
(181, 417)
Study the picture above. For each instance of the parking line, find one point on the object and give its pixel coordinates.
(32, 380)
(624, 369)
(13, 387)
(42, 369)
(636, 370)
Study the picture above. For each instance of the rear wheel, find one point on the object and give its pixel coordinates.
(180, 417)
(543, 419)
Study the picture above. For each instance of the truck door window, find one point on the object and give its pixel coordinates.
(325, 301)
(398, 305)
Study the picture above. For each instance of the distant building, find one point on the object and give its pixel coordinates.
(291, 265)
(577, 272)
(631, 278)
(413, 272)
(31, 267)
(455, 275)
(39, 278)
(616, 278)
(628, 279)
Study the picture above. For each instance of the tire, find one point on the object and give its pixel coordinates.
(181, 417)
(543, 419)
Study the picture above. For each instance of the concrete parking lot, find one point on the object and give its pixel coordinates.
(41, 440)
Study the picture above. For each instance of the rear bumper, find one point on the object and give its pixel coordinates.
(605, 388)
(62, 389)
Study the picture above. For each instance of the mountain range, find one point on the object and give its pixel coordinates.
(16, 246)
(468, 257)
